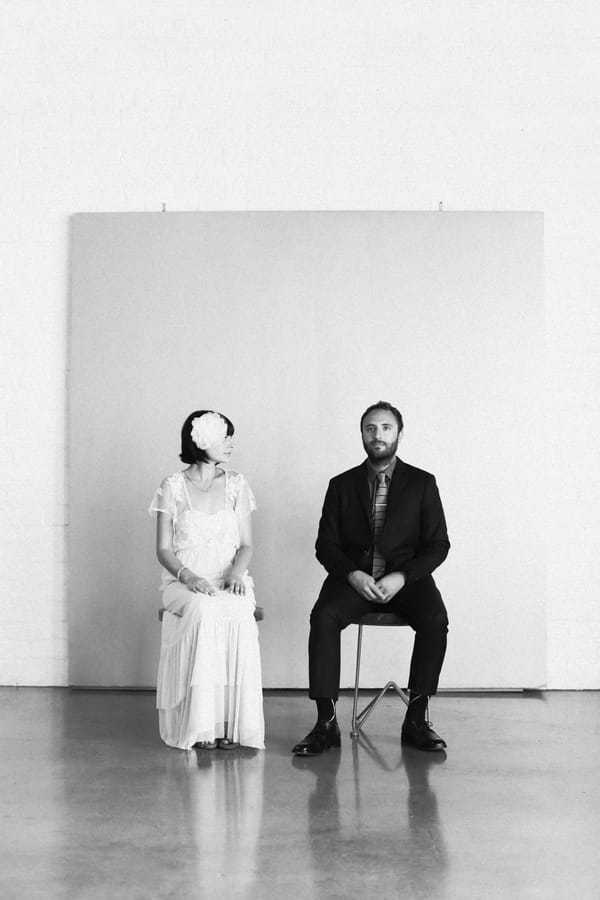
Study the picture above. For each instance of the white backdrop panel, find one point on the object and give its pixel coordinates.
(291, 324)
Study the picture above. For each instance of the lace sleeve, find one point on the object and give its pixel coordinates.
(165, 498)
(242, 496)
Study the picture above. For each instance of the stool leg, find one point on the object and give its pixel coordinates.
(364, 714)
(354, 732)
(359, 718)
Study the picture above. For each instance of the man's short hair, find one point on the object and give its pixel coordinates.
(383, 404)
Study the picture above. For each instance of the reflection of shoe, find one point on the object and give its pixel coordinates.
(247, 752)
(417, 764)
(206, 745)
(226, 744)
(421, 735)
(323, 736)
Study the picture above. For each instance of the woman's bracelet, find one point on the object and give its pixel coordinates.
(179, 571)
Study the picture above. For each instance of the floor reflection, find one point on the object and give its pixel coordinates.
(378, 820)
(94, 806)
(220, 798)
(427, 847)
(421, 841)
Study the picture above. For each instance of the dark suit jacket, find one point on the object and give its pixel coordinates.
(414, 538)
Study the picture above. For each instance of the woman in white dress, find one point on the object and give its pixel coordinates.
(209, 687)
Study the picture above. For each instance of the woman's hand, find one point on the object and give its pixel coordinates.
(198, 585)
(235, 584)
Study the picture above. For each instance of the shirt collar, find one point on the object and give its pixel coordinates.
(373, 473)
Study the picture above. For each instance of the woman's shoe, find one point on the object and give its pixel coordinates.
(206, 745)
(226, 744)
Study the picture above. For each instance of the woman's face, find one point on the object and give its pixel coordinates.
(221, 450)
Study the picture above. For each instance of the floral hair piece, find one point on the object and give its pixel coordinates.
(208, 429)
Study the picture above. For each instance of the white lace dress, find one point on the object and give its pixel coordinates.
(209, 681)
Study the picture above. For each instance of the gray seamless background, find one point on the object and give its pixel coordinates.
(291, 324)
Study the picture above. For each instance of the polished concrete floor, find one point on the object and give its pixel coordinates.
(92, 805)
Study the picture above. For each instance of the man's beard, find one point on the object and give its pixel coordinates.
(381, 454)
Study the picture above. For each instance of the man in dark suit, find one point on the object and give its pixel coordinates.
(381, 535)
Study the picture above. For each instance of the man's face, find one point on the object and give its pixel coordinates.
(380, 435)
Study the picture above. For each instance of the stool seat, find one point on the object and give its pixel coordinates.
(374, 619)
(382, 618)
(259, 613)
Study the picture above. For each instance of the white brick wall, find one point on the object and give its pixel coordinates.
(111, 105)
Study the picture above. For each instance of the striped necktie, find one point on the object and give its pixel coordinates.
(379, 508)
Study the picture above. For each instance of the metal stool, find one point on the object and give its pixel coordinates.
(259, 613)
(359, 719)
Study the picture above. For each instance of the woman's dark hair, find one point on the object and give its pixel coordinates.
(189, 452)
(383, 404)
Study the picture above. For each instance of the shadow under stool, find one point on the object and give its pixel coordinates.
(377, 619)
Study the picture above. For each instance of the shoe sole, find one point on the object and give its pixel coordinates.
(334, 745)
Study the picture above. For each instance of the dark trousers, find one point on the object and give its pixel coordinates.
(338, 606)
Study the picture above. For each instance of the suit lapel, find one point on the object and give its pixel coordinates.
(400, 478)
(364, 494)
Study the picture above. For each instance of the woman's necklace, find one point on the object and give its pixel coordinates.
(197, 486)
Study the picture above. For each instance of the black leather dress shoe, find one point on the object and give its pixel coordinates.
(421, 735)
(323, 736)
